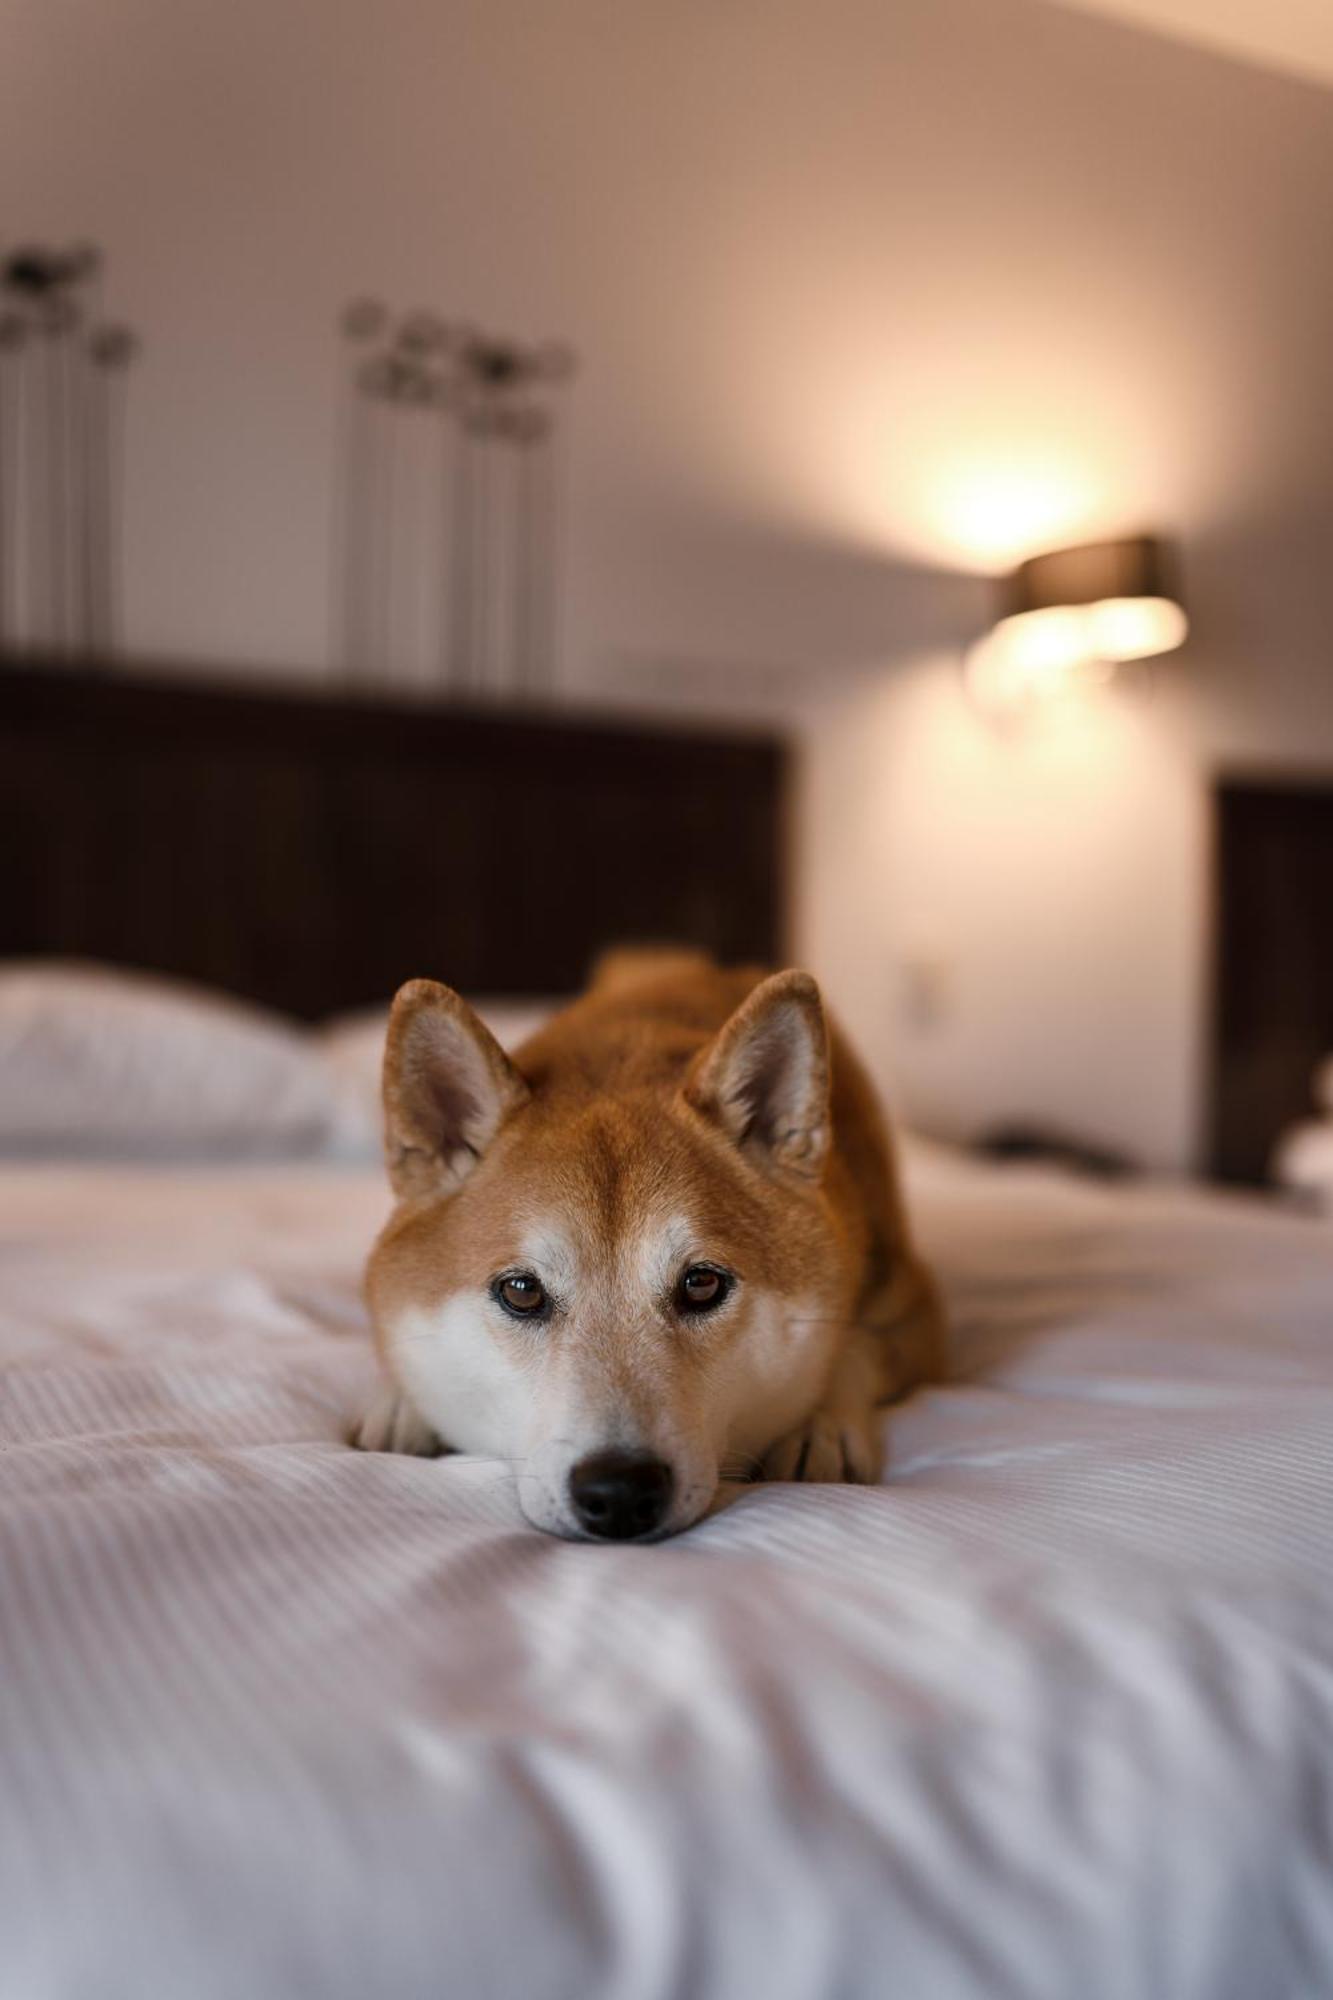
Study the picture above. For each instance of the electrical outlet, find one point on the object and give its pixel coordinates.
(925, 991)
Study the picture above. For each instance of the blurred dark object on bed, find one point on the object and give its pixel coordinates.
(310, 853)
(1043, 1145)
(1273, 966)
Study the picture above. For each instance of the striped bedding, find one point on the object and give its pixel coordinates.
(1050, 1714)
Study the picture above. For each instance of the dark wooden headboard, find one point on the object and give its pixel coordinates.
(311, 852)
(1273, 971)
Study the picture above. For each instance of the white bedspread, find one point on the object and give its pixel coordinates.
(1050, 1714)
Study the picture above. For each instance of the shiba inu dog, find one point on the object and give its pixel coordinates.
(660, 1246)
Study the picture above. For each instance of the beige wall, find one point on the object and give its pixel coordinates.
(872, 299)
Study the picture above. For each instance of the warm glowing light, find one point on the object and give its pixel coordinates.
(1037, 657)
(1029, 662)
(990, 515)
(1045, 643)
(1134, 628)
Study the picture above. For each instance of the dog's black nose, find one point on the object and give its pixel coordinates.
(620, 1494)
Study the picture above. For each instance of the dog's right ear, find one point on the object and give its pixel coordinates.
(448, 1088)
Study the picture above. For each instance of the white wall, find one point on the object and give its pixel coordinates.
(871, 300)
(1021, 933)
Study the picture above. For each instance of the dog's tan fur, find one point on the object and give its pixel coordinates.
(675, 1113)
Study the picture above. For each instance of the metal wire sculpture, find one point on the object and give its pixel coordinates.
(445, 533)
(63, 375)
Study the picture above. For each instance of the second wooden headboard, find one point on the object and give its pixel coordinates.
(1273, 973)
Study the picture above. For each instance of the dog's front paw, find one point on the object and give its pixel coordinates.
(838, 1447)
(393, 1424)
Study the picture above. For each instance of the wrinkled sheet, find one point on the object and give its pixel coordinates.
(1048, 1714)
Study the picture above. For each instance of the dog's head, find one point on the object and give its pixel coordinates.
(624, 1295)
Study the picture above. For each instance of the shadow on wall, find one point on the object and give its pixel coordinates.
(754, 618)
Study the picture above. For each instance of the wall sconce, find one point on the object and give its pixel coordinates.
(1071, 617)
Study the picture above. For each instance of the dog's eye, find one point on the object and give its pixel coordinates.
(520, 1293)
(701, 1288)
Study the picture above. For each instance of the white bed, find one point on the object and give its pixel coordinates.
(1049, 1714)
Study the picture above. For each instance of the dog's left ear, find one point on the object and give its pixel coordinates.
(765, 1076)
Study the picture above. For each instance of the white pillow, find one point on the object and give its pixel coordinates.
(1303, 1162)
(353, 1047)
(98, 1061)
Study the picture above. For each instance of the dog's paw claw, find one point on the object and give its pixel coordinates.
(831, 1448)
(392, 1424)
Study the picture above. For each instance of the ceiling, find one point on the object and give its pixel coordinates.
(1291, 35)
